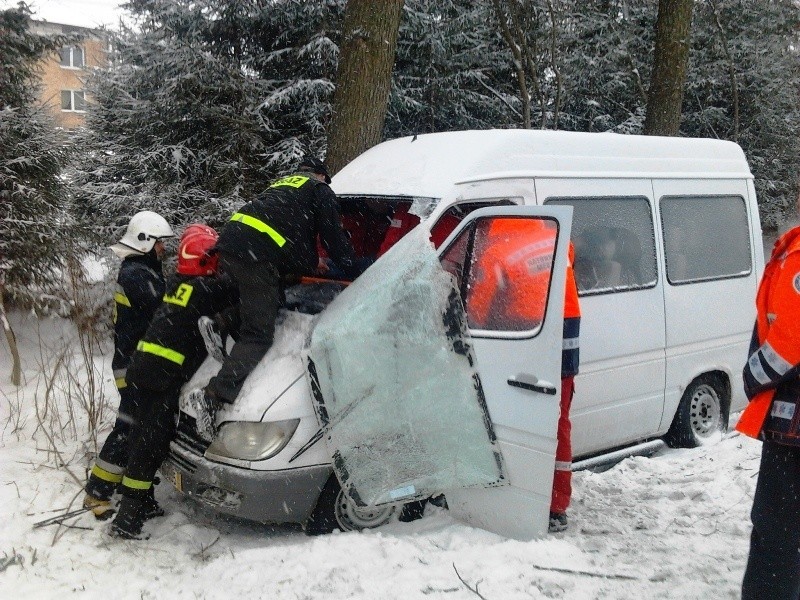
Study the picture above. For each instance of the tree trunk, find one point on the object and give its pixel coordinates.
(673, 28)
(363, 80)
(16, 368)
(723, 38)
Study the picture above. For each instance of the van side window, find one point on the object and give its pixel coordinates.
(614, 243)
(705, 238)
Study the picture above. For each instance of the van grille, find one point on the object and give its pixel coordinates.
(187, 437)
(181, 463)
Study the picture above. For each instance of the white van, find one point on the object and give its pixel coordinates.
(668, 254)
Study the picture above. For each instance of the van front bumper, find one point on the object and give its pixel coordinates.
(285, 496)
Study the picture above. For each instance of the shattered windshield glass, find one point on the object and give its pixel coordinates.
(393, 372)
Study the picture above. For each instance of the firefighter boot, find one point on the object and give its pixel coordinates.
(206, 407)
(99, 507)
(150, 506)
(129, 520)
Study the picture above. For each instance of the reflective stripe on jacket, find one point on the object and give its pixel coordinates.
(570, 352)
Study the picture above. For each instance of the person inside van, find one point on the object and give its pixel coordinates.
(596, 268)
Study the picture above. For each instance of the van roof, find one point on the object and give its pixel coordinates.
(429, 165)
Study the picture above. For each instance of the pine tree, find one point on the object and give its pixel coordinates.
(206, 102)
(35, 222)
(451, 72)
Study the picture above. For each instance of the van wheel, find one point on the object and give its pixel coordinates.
(702, 414)
(335, 510)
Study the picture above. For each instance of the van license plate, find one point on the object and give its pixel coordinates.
(172, 475)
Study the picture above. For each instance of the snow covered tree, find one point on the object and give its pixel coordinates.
(451, 71)
(744, 85)
(35, 223)
(205, 103)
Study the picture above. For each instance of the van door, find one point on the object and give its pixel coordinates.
(404, 407)
(619, 393)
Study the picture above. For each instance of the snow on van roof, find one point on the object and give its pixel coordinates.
(429, 165)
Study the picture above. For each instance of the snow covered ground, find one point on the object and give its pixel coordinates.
(672, 526)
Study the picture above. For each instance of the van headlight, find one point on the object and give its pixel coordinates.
(252, 441)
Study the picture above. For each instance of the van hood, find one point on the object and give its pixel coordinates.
(279, 369)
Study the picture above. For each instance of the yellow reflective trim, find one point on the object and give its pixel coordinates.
(136, 484)
(101, 473)
(181, 295)
(170, 355)
(294, 181)
(259, 225)
(121, 298)
(121, 383)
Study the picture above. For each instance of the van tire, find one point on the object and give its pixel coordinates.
(702, 415)
(335, 510)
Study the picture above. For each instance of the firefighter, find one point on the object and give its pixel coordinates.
(165, 358)
(272, 237)
(772, 385)
(140, 286)
(517, 261)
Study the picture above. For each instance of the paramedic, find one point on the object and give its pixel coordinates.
(772, 385)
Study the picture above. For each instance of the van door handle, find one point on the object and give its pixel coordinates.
(529, 382)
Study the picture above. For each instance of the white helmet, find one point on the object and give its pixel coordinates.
(144, 230)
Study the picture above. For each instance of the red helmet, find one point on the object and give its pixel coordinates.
(193, 251)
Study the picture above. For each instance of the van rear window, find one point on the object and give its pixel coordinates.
(614, 243)
(705, 238)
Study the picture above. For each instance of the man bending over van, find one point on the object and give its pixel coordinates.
(271, 237)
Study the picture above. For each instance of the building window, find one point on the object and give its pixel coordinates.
(72, 100)
(72, 57)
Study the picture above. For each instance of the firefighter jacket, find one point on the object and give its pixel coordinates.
(281, 227)
(140, 287)
(511, 287)
(172, 349)
(771, 373)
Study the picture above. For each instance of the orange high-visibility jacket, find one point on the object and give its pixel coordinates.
(777, 332)
(510, 291)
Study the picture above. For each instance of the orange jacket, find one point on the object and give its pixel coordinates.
(513, 261)
(776, 349)
(509, 292)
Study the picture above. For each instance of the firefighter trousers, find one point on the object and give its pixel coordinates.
(259, 299)
(773, 567)
(150, 444)
(109, 467)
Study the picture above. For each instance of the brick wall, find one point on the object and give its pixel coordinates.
(57, 78)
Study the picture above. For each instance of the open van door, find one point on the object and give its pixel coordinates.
(399, 383)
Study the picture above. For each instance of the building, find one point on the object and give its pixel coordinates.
(63, 75)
